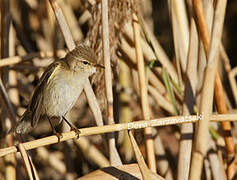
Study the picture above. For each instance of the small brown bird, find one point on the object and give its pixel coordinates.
(59, 87)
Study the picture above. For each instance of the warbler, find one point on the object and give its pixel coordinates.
(58, 89)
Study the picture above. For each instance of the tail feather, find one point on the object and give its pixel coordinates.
(23, 126)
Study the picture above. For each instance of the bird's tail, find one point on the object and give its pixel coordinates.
(23, 126)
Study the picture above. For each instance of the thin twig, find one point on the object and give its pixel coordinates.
(91, 152)
(200, 146)
(180, 14)
(231, 75)
(125, 80)
(114, 156)
(147, 174)
(130, 52)
(189, 102)
(63, 25)
(149, 55)
(72, 20)
(17, 59)
(143, 92)
(219, 91)
(26, 161)
(119, 127)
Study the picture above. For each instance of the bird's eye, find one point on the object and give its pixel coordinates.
(85, 62)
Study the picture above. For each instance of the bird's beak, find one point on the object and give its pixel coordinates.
(99, 66)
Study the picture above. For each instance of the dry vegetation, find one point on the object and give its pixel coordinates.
(164, 61)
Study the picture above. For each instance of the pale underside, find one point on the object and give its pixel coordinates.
(62, 92)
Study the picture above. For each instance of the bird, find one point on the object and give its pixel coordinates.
(58, 89)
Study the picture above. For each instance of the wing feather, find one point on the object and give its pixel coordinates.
(35, 105)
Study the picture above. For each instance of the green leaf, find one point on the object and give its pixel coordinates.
(167, 82)
(214, 134)
(154, 63)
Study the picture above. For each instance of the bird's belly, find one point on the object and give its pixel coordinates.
(61, 95)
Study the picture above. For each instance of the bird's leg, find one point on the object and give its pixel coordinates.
(59, 135)
(73, 127)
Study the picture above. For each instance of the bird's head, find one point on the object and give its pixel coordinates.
(83, 59)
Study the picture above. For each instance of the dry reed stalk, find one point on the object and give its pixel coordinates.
(36, 175)
(92, 101)
(13, 92)
(207, 169)
(131, 54)
(209, 14)
(26, 160)
(118, 127)
(147, 174)
(177, 43)
(217, 170)
(161, 101)
(200, 139)
(186, 130)
(225, 59)
(6, 49)
(14, 98)
(10, 161)
(72, 20)
(159, 91)
(6, 46)
(17, 59)
(5, 27)
(43, 43)
(49, 28)
(148, 52)
(162, 163)
(52, 159)
(226, 127)
(219, 91)
(84, 17)
(152, 50)
(125, 80)
(114, 156)
(143, 91)
(92, 153)
(208, 84)
(179, 12)
(63, 25)
(231, 76)
(231, 72)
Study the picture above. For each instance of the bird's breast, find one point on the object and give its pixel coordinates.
(61, 93)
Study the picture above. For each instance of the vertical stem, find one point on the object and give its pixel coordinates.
(219, 92)
(10, 159)
(26, 160)
(212, 52)
(185, 149)
(114, 157)
(143, 91)
(63, 25)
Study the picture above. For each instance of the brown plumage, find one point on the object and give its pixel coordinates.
(58, 89)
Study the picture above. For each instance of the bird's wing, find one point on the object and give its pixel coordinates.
(36, 101)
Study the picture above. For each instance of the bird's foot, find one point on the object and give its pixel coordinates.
(77, 131)
(73, 127)
(59, 135)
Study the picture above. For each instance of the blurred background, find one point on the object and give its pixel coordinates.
(31, 39)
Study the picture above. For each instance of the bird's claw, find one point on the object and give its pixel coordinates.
(59, 136)
(77, 131)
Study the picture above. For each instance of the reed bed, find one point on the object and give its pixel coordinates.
(164, 107)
